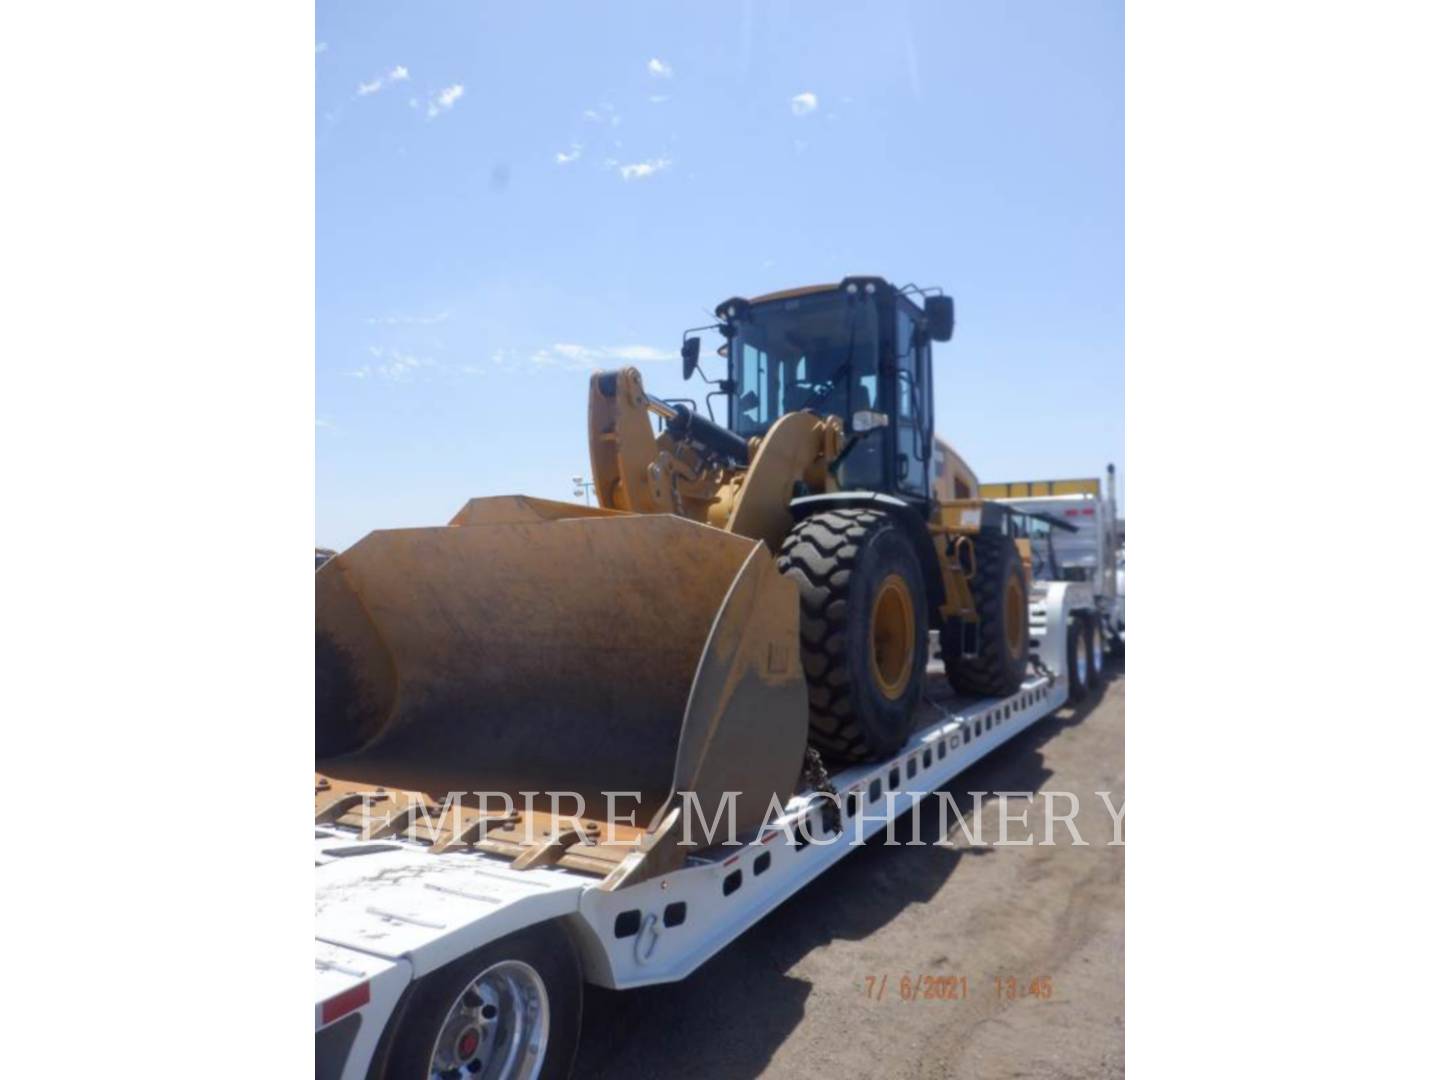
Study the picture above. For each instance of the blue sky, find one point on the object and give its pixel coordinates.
(510, 195)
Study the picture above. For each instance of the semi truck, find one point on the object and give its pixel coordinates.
(1092, 550)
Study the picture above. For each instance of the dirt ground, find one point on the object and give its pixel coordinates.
(799, 994)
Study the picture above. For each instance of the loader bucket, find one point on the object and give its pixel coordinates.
(607, 653)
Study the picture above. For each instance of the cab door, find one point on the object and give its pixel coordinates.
(912, 410)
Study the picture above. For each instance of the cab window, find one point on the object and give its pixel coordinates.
(911, 408)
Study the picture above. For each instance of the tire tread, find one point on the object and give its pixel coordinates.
(820, 554)
(988, 673)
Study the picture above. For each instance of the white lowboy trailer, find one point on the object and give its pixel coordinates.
(391, 915)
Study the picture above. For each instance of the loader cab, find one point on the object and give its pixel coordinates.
(859, 350)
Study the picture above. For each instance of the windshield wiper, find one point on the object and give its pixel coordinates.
(834, 466)
(825, 389)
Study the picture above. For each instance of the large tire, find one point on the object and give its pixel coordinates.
(998, 588)
(863, 633)
(546, 951)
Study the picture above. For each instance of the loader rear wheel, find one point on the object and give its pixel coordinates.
(998, 588)
(862, 629)
(510, 1010)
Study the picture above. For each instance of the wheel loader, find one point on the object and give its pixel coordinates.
(752, 586)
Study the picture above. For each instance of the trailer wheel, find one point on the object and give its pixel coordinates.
(510, 1010)
(998, 587)
(863, 636)
(1095, 642)
(1077, 658)
(1117, 646)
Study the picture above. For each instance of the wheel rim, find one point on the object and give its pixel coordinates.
(1016, 629)
(892, 637)
(1097, 648)
(1082, 663)
(497, 1027)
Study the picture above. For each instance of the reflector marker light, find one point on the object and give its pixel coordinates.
(344, 1003)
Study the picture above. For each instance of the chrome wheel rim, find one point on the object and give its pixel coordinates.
(1082, 663)
(1097, 648)
(497, 1027)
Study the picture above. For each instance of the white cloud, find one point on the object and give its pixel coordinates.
(657, 99)
(659, 69)
(445, 100)
(563, 157)
(803, 104)
(571, 356)
(641, 169)
(398, 73)
(604, 113)
(639, 354)
(394, 365)
(408, 320)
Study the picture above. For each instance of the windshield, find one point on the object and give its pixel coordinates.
(815, 352)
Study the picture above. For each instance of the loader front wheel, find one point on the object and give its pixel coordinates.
(510, 1010)
(998, 588)
(862, 629)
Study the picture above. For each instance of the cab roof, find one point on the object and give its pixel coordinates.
(803, 290)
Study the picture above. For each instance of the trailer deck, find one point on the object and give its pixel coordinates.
(390, 910)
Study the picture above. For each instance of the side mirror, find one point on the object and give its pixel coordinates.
(939, 317)
(690, 355)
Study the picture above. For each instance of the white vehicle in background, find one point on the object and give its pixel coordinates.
(1120, 591)
(1093, 552)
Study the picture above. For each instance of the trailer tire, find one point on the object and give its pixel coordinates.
(863, 635)
(998, 589)
(1077, 660)
(1095, 643)
(530, 977)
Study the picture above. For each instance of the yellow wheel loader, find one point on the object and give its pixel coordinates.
(748, 585)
